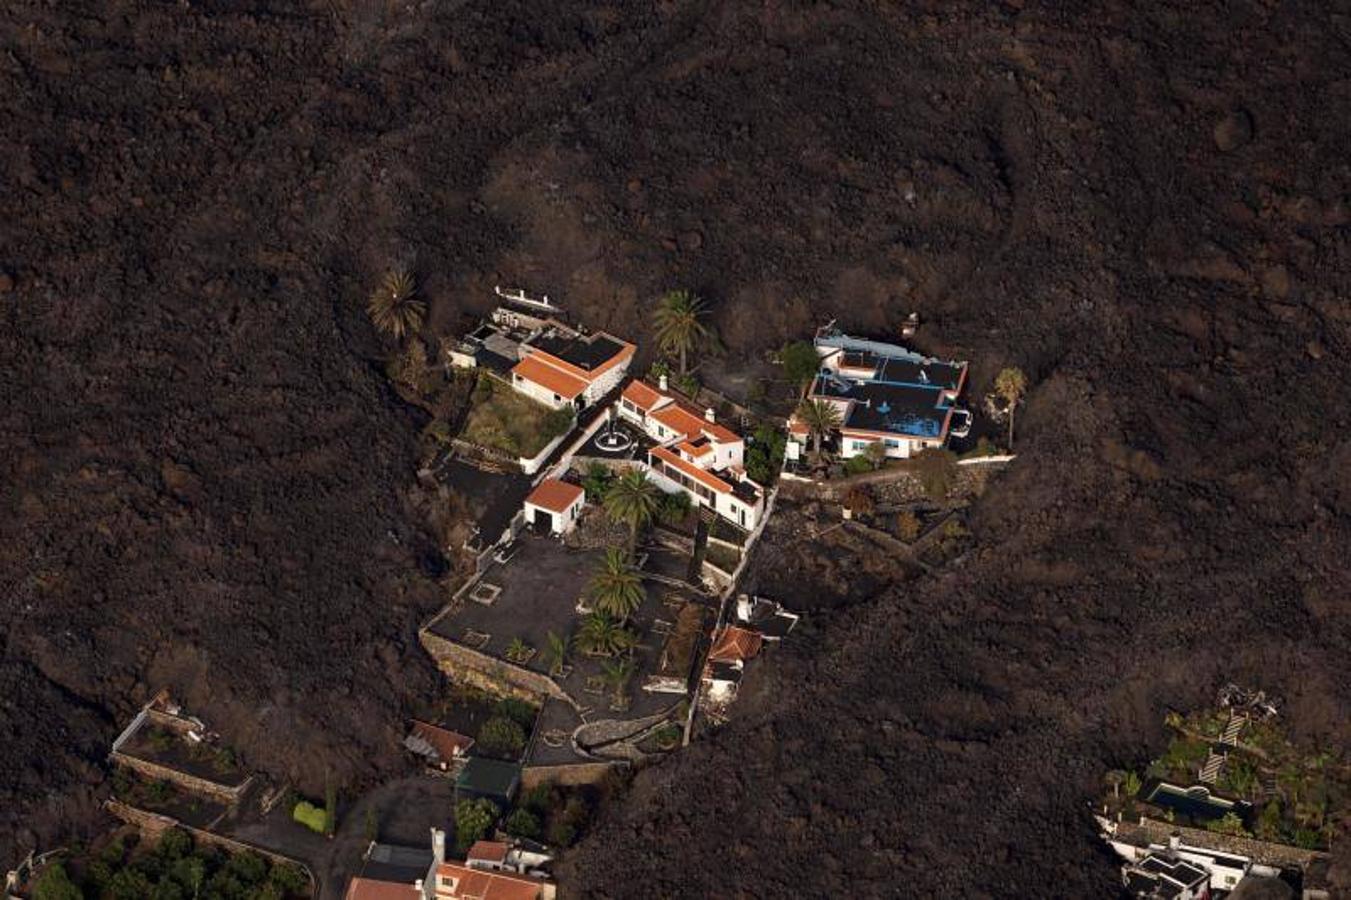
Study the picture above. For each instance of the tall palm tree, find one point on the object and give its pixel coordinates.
(394, 307)
(679, 329)
(617, 674)
(633, 500)
(601, 635)
(617, 586)
(821, 418)
(1011, 384)
(555, 653)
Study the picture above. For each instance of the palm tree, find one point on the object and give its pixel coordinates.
(394, 307)
(601, 635)
(678, 327)
(1011, 384)
(617, 586)
(821, 418)
(633, 500)
(616, 674)
(555, 654)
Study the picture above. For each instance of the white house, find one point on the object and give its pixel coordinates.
(884, 394)
(695, 453)
(563, 367)
(1163, 877)
(555, 505)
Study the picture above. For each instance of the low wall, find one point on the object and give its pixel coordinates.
(193, 783)
(154, 825)
(488, 672)
(533, 464)
(571, 775)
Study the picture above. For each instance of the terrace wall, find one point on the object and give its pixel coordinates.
(481, 670)
(154, 825)
(569, 775)
(157, 772)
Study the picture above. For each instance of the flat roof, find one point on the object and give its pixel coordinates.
(488, 776)
(588, 353)
(882, 407)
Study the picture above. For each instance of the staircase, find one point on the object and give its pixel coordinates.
(1233, 729)
(1211, 770)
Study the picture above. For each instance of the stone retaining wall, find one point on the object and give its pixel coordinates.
(154, 825)
(197, 785)
(571, 775)
(483, 671)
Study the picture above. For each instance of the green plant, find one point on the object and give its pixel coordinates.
(617, 674)
(473, 818)
(372, 826)
(857, 465)
(632, 500)
(936, 470)
(597, 481)
(1010, 384)
(55, 884)
(311, 816)
(688, 385)
(562, 834)
(330, 808)
(483, 389)
(289, 879)
(617, 586)
(158, 793)
(555, 653)
(821, 418)
(1270, 823)
(876, 454)
(393, 306)
(1131, 784)
(501, 736)
(800, 362)
(600, 635)
(518, 650)
(518, 710)
(522, 823)
(678, 325)
(175, 843)
(674, 507)
(1229, 824)
(907, 526)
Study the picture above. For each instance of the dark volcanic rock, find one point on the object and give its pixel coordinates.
(209, 485)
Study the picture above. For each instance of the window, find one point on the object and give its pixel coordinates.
(859, 445)
(557, 398)
(892, 443)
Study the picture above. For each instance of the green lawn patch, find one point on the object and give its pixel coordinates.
(505, 420)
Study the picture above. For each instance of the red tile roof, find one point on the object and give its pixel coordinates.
(554, 495)
(490, 851)
(641, 395)
(708, 479)
(370, 889)
(534, 369)
(482, 885)
(446, 743)
(735, 643)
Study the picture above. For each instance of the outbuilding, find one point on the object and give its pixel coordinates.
(555, 506)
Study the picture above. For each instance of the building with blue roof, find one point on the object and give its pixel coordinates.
(885, 394)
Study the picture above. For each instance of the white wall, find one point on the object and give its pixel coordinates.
(536, 392)
(606, 383)
(562, 522)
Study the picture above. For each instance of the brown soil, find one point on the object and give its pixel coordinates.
(208, 482)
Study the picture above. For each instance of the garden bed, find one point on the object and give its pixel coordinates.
(505, 420)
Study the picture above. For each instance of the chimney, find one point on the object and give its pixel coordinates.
(1174, 844)
(710, 415)
(664, 383)
(417, 888)
(744, 608)
(438, 845)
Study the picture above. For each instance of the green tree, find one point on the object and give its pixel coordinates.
(523, 824)
(876, 454)
(597, 481)
(800, 363)
(674, 507)
(617, 586)
(937, 471)
(632, 500)
(617, 674)
(555, 653)
(473, 819)
(821, 418)
(189, 872)
(394, 307)
(501, 736)
(55, 884)
(1010, 384)
(679, 328)
(174, 844)
(129, 884)
(600, 635)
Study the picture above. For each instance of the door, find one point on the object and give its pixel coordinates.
(544, 521)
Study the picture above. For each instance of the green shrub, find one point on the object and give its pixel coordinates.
(311, 816)
(800, 362)
(562, 834)
(483, 389)
(523, 824)
(473, 819)
(55, 884)
(174, 844)
(540, 799)
(857, 465)
(501, 736)
(519, 711)
(937, 471)
(674, 507)
(288, 878)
